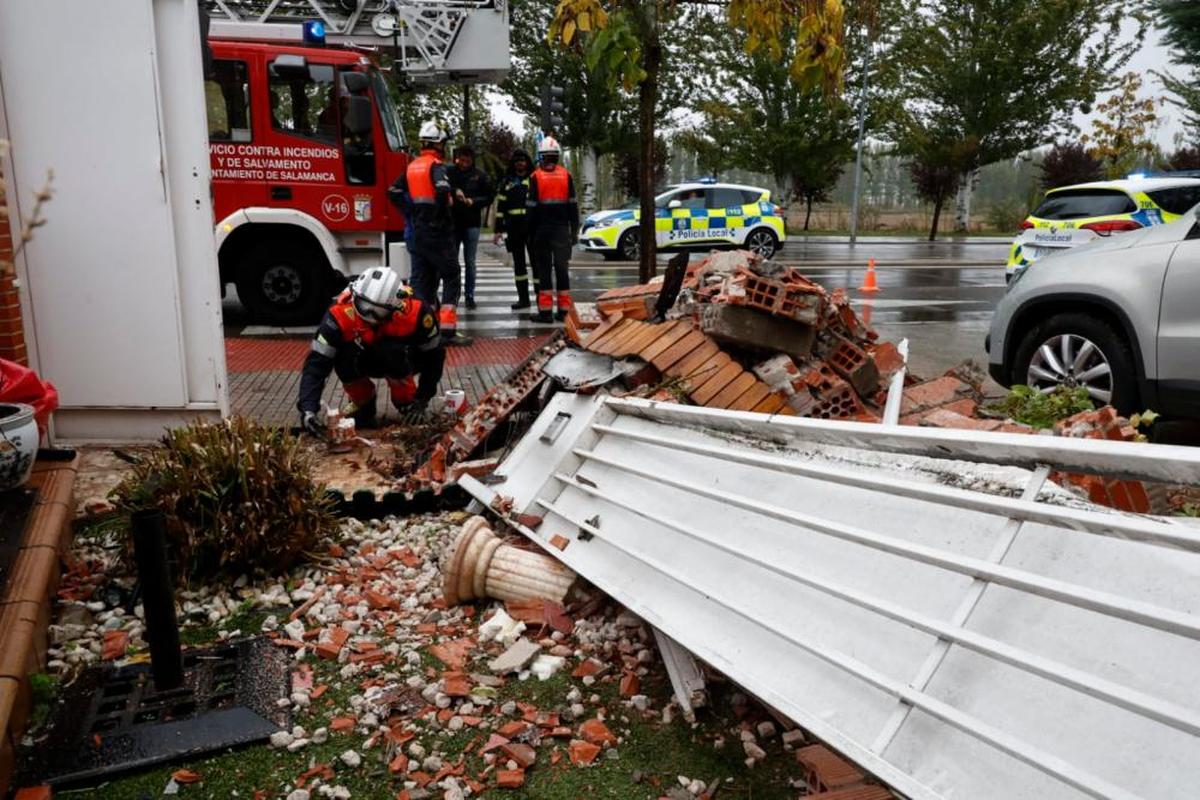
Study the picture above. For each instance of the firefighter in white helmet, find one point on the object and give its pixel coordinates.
(375, 329)
(424, 194)
(553, 219)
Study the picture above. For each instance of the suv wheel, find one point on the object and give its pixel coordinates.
(763, 242)
(1078, 350)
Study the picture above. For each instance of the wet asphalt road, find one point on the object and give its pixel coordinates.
(940, 301)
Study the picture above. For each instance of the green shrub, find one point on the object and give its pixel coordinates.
(1005, 216)
(238, 496)
(1031, 407)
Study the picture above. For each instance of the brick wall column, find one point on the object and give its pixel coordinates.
(12, 331)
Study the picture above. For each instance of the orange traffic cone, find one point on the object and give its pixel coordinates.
(869, 284)
(865, 313)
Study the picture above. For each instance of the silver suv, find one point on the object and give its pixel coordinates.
(1119, 316)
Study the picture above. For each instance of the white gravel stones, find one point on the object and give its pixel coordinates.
(766, 729)
(351, 759)
(320, 736)
(753, 751)
(281, 739)
(299, 794)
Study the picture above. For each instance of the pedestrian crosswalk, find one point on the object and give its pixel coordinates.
(495, 292)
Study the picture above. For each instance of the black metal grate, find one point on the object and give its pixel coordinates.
(228, 698)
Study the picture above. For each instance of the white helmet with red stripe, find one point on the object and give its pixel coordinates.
(431, 132)
(377, 294)
(549, 150)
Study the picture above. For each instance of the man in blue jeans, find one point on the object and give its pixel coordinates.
(472, 195)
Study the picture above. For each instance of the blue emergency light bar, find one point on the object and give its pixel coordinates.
(314, 31)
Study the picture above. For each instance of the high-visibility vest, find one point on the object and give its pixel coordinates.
(420, 178)
(402, 324)
(553, 188)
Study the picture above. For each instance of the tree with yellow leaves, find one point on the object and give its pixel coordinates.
(626, 37)
(1121, 133)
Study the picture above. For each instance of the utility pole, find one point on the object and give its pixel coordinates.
(466, 114)
(858, 155)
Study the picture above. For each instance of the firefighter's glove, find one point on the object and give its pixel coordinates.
(414, 413)
(312, 424)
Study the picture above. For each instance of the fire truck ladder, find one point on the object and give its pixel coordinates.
(424, 31)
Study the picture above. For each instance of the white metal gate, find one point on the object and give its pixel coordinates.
(959, 629)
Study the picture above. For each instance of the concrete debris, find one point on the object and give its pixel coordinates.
(515, 658)
(545, 665)
(502, 628)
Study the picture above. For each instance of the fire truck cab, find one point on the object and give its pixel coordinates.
(303, 143)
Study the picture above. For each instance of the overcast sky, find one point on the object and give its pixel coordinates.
(1152, 56)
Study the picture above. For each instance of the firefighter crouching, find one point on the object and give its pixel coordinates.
(425, 189)
(553, 217)
(510, 222)
(375, 329)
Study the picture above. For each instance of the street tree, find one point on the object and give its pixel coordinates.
(627, 168)
(1007, 75)
(1180, 20)
(497, 142)
(1121, 132)
(592, 106)
(717, 138)
(936, 167)
(1067, 164)
(1184, 158)
(629, 39)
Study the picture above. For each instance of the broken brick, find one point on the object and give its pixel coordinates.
(339, 724)
(494, 741)
(456, 684)
(523, 754)
(379, 601)
(510, 778)
(597, 733)
(398, 765)
(630, 684)
(115, 644)
(582, 753)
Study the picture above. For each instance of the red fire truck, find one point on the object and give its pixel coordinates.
(305, 138)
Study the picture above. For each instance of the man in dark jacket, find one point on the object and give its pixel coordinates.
(424, 189)
(553, 225)
(511, 222)
(375, 329)
(472, 196)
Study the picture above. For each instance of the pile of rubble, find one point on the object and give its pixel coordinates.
(396, 689)
(748, 335)
(731, 332)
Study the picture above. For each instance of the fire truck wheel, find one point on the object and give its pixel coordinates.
(283, 283)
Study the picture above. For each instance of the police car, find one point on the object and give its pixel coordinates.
(691, 216)
(1072, 215)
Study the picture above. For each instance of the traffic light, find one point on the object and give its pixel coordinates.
(552, 108)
